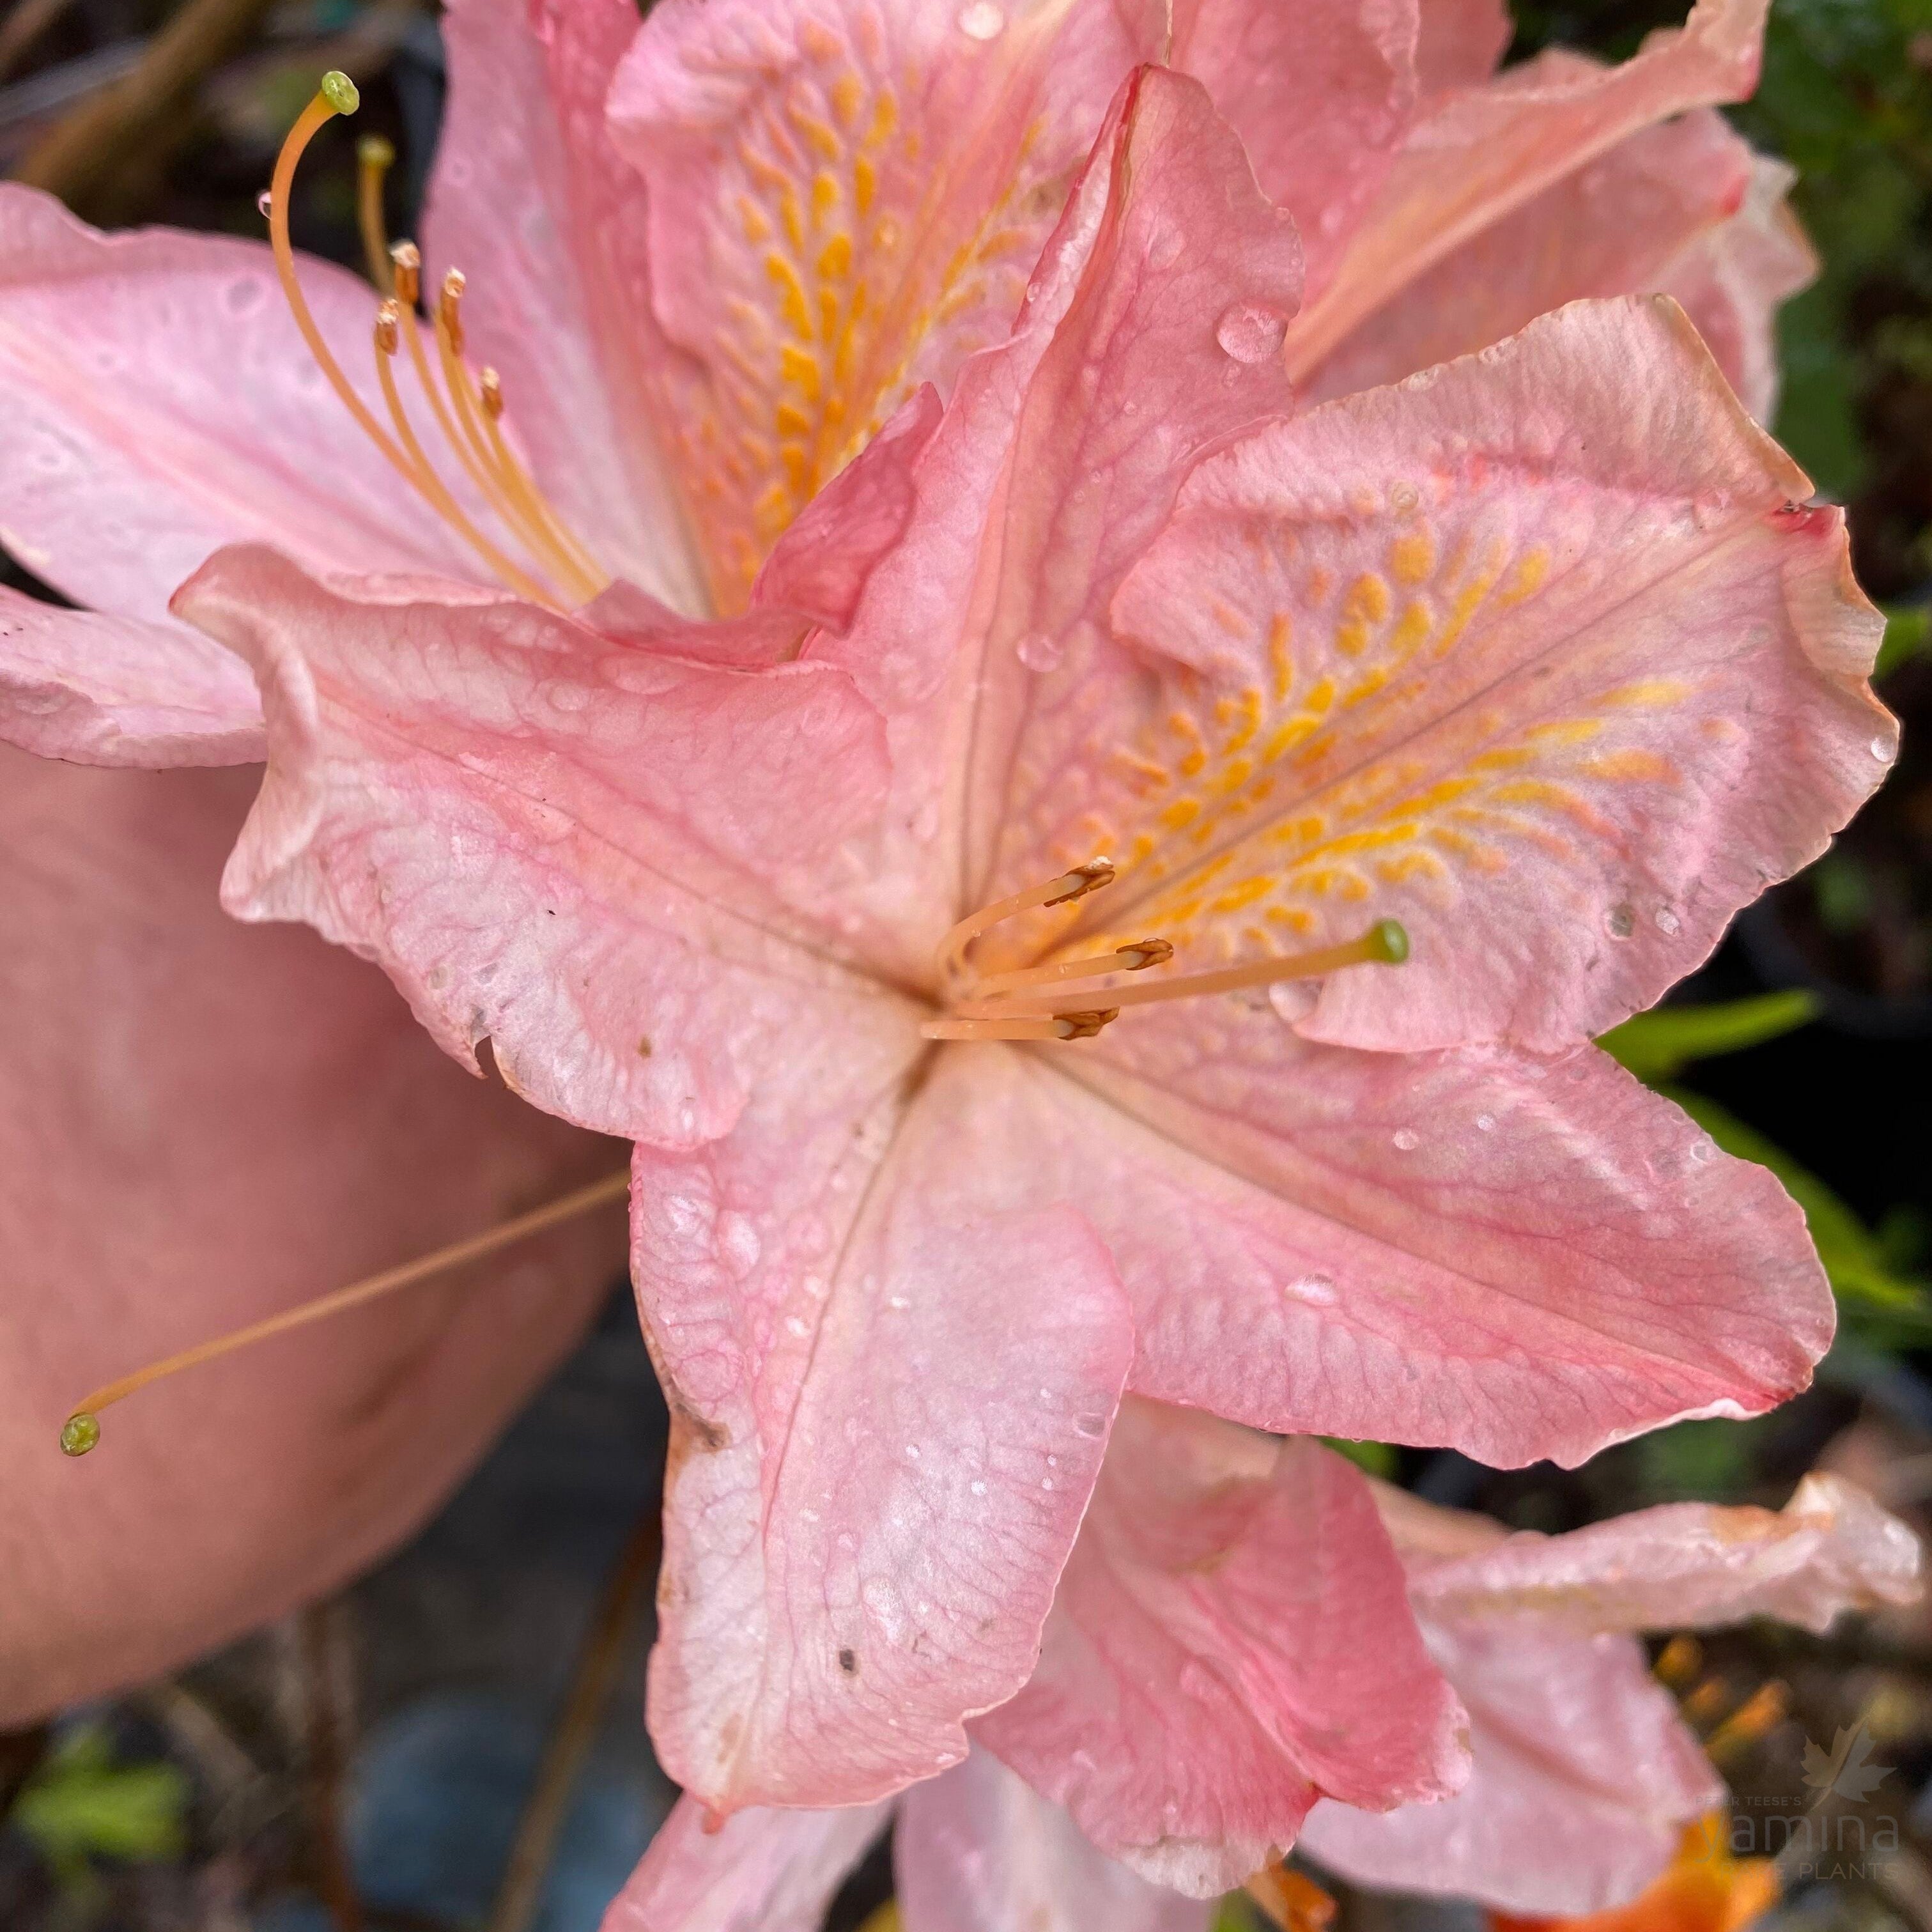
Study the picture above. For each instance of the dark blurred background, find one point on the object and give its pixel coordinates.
(456, 1741)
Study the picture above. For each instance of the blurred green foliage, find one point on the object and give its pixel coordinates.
(82, 1805)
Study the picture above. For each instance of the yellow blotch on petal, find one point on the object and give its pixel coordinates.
(1527, 578)
(1412, 556)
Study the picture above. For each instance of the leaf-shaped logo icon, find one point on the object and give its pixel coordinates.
(1847, 1773)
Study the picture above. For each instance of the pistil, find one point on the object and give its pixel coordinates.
(82, 1430)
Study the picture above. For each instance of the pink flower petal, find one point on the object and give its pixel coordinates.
(547, 221)
(1321, 94)
(160, 404)
(1732, 279)
(1485, 151)
(1058, 459)
(977, 1851)
(763, 1871)
(1232, 1640)
(1830, 1548)
(845, 203)
(1663, 211)
(890, 1392)
(1584, 1775)
(1516, 1258)
(1534, 654)
(203, 1123)
(120, 691)
(1461, 42)
(592, 855)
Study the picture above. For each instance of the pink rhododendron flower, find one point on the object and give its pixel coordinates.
(201, 1123)
(1582, 1773)
(1533, 654)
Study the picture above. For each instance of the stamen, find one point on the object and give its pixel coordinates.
(82, 1430)
(1135, 958)
(374, 158)
(1386, 943)
(389, 320)
(471, 430)
(1059, 1026)
(1076, 884)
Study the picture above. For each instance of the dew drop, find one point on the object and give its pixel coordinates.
(982, 21)
(1318, 1290)
(1039, 652)
(1667, 921)
(912, 1449)
(739, 1243)
(1403, 498)
(978, 1488)
(898, 1302)
(1485, 1124)
(1090, 1425)
(1250, 333)
(1046, 1482)
(1880, 749)
(1620, 921)
(1407, 1139)
(1702, 1151)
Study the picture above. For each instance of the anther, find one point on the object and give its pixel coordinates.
(1084, 1026)
(1135, 958)
(1067, 886)
(1082, 881)
(449, 308)
(388, 326)
(490, 386)
(405, 267)
(1024, 1026)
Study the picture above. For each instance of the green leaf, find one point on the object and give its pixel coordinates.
(1908, 630)
(1374, 1458)
(1659, 1044)
(81, 1806)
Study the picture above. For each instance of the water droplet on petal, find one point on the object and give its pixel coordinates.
(1667, 921)
(912, 1449)
(1250, 333)
(979, 1488)
(1319, 1289)
(982, 21)
(1880, 749)
(1485, 1124)
(1702, 1151)
(1407, 1139)
(1090, 1425)
(1620, 921)
(1039, 652)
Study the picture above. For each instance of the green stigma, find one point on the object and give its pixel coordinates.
(339, 91)
(79, 1433)
(1388, 940)
(376, 150)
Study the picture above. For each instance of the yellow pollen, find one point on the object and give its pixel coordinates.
(560, 572)
(82, 1430)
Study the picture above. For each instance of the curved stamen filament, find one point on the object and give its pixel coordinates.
(83, 1428)
(423, 476)
(1076, 884)
(1135, 958)
(469, 428)
(374, 158)
(1385, 943)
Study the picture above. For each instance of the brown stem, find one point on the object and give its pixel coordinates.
(324, 1754)
(82, 149)
(598, 1659)
(22, 27)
